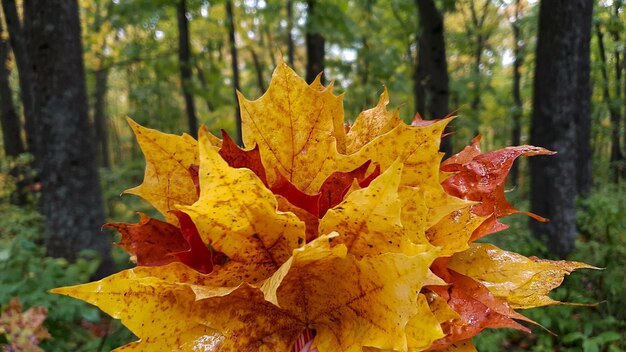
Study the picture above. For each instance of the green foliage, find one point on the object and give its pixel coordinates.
(26, 273)
(602, 242)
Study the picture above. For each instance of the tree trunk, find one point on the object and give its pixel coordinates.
(184, 61)
(518, 108)
(268, 36)
(17, 33)
(259, 70)
(616, 154)
(11, 130)
(290, 47)
(479, 17)
(561, 113)
(363, 69)
(99, 116)
(72, 202)
(619, 104)
(478, 57)
(432, 65)
(205, 87)
(419, 78)
(235, 67)
(315, 44)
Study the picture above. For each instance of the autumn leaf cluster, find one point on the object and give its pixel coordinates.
(358, 235)
(23, 330)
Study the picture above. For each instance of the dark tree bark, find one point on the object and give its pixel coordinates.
(315, 44)
(616, 157)
(99, 117)
(11, 130)
(518, 108)
(561, 118)
(432, 67)
(290, 47)
(235, 66)
(17, 33)
(184, 61)
(71, 198)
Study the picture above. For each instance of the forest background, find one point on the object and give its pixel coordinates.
(172, 65)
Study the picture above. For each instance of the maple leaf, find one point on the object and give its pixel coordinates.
(238, 158)
(168, 159)
(371, 124)
(283, 187)
(320, 235)
(306, 148)
(523, 282)
(481, 177)
(477, 308)
(368, 220)
(152, 242)
(237, 215)
(160, 295)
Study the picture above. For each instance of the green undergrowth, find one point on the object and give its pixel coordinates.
(601, 242)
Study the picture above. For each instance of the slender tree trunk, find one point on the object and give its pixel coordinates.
(419, 78)
(17, 33)
(290, 47)
(184, 61)
(99, 98)
(432, 65)
(71, 198)
(619, 105)
(269, 40)
(10, 121)
(259, 70)
(363, 68)
(99, 116)
(479, 17)
(11, 130)
(205, 87)
(624, 116)
(478, 58)
(518, 109)
(315, 44)
(235, 66)
(614, 113)
(561, 112)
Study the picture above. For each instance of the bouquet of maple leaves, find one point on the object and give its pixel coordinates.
(356, 238)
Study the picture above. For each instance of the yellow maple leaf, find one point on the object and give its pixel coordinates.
(168, 158)
(523, 282)
(154, 304)
(237, 215)
(418, 149)
(368, 220)
(371, 304)
(305, 149)
(371, 124)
